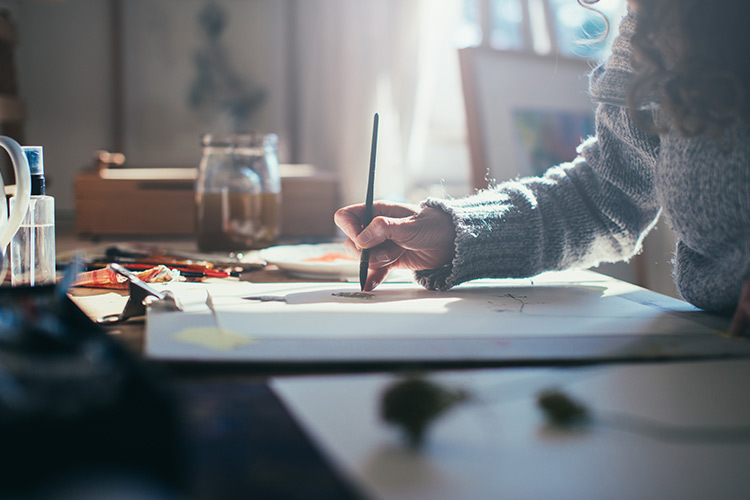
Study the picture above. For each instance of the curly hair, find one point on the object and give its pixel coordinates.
(691, 55)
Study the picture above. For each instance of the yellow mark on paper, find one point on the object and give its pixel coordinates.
(213, 338)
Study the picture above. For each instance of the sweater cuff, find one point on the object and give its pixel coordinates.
(479, 251)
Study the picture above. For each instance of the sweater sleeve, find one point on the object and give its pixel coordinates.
(594, 209)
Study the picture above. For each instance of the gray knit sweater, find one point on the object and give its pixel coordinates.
(599, 207)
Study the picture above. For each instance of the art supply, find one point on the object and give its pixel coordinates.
(238, 193)
(155, 254)
(141, 295)
(364, 262)
(108, 277)
(185, 271)
(138, 261)
(32, 253)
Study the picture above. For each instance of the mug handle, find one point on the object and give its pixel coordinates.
(23, 191)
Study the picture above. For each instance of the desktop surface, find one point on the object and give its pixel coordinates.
(263, 429)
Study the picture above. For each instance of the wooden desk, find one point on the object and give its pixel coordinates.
(241, 441)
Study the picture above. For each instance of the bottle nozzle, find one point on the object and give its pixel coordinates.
(35, 157)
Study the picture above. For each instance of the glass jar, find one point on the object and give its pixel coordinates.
(238, 193)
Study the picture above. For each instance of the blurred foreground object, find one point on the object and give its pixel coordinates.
(413, 405)
(76, 409)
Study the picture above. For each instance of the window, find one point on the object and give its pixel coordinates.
(538, 26)
(541, 26)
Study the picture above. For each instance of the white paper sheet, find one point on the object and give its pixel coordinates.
(553, 316)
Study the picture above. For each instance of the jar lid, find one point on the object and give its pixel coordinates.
(251, 139)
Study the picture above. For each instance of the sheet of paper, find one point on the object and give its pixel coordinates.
(671, 430)
(555, 316)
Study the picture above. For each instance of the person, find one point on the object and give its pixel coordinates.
(672, 139)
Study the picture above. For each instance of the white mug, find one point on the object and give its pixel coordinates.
(9, 224)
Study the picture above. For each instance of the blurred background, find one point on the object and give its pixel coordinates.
(147, 78)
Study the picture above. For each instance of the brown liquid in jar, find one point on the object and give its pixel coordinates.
(237, 221)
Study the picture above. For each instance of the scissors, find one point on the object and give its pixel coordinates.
(141, 295)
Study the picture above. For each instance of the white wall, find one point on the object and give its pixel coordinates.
(64, 71)
(161, 39)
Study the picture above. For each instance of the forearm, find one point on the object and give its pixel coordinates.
(578, 214)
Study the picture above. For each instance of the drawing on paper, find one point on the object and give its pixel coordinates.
(354, 295)
(266, 298)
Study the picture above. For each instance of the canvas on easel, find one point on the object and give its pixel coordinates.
(525, 112)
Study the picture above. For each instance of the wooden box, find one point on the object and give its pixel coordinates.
(161, 201)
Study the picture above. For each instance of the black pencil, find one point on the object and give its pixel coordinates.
(364, 261)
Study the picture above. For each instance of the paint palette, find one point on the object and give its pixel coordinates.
(317, 261)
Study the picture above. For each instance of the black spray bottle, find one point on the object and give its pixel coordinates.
(32, 249)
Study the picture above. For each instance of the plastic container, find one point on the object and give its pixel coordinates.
(32, 249)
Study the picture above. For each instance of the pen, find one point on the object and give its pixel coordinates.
(364, 262)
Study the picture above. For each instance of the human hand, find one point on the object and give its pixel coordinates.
(741, 318)
(400, 236)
